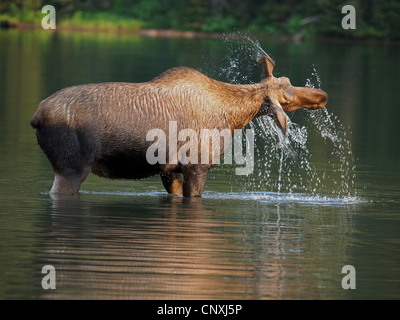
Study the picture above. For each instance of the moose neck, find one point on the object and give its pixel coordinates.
(240, 103)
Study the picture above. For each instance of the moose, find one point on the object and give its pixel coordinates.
(101, 128)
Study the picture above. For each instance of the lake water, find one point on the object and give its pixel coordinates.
(326, 197)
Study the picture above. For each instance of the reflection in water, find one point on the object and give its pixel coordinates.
(175, 248)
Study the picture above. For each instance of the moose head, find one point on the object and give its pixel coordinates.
(281, 96)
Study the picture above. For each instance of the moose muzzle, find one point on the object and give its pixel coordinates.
(308, 98)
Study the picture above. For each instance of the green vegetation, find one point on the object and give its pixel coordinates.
(377, 19)
(100, 21)
(12, 14)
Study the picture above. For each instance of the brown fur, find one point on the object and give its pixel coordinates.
(101, 128)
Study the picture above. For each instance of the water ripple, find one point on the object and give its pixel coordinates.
(259, 196)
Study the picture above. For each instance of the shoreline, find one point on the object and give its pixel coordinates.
(171, 33)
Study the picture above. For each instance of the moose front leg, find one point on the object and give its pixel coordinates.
(194, 180)
(172, 182)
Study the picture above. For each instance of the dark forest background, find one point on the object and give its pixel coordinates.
(375, 19)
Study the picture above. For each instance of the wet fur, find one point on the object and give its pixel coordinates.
(101, 128)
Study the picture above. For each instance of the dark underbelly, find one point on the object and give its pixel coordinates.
(124, 165)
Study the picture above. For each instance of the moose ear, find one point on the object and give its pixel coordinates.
(280, 117)
(267, 65)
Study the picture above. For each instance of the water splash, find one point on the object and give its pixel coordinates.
(287, 167)
(237, 65)
(336, 136)
(284, 164)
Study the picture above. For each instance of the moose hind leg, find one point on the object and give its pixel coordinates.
(70, 156)
(172, 182)
(68, 183)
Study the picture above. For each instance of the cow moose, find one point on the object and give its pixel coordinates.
(101, 128)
